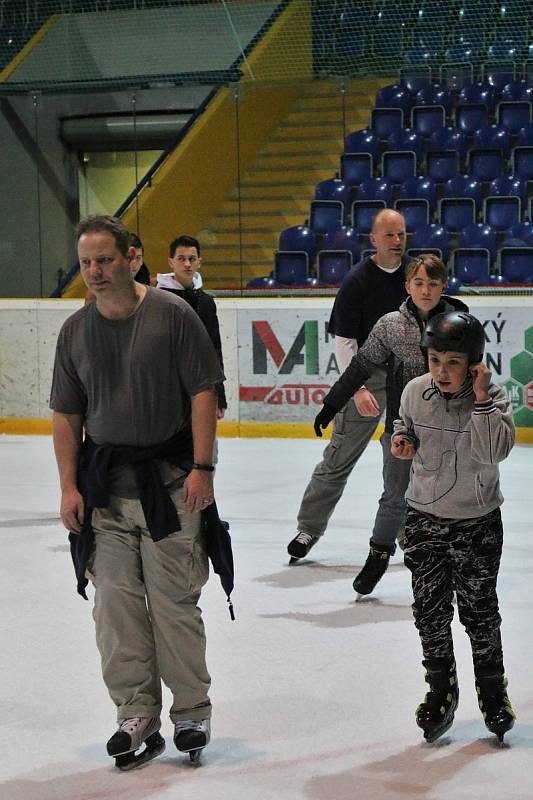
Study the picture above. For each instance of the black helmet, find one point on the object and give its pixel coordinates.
(455, 331)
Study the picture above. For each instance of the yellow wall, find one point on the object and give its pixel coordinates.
(106, 179)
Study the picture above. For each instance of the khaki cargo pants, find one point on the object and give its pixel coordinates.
(148, 624)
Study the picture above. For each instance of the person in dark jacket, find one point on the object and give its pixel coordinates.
(373, 287)
(186, 282)
(394, 341)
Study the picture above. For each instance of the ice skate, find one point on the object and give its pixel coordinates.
(375, 567)
(494, 703)
(435, 715)
(191, 736)
(132, 733)
(300, 546)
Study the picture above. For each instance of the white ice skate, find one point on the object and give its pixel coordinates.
(191, 736)
(132, 733)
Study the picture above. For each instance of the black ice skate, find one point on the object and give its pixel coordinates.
(300, 546)
(435, 715)
(130, 736)
(491, 686)
(375, 567)
(191, 736)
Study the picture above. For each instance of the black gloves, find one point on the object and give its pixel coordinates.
(323, 418)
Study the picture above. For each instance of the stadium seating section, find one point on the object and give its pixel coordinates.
(449, 145)
(457, 162)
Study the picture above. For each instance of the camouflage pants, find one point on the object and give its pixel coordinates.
(461, 555)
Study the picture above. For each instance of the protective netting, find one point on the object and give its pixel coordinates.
(55, 44)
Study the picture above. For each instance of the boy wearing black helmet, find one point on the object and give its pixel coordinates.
(456, 426)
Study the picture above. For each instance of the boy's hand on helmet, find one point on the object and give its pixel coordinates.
(481, 377)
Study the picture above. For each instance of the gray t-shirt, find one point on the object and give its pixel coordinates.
(132, 379)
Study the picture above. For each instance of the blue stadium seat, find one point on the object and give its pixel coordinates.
(363, 213)
(365, 141)
(376, 189)
(416, 72)
(441, 165)
(470, 117)
(325, 215)
(350, 36)
(514, 114)
(449, 138)
(516, 91)
(493, 137)
(478, 93)
(333, 189)
(455, 213)
(344, 238)
(465, 186)
(332, 266)
(291, 268)
(524, 232)
(386, 120)
(522, 163)
(509, 185)
(516, 264)
(415, 211)
(479, 236)
(264, 282)
(430, 238)
(298, 237)
(502, 213)
(485, 165)
(425, 120)
(460, 62)
(356, 168)
(420, 187)
(397, 166)
(525, 136)
(500, 73)
(504, 51)
(394, 96)
(435, 95)
(471, 265)
(407, 139)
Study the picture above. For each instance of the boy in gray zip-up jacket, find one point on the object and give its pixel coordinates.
(456, 426)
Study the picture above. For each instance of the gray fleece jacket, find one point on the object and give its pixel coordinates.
(459, 443)
(394, 341)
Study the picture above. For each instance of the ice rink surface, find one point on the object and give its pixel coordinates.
(313, 694)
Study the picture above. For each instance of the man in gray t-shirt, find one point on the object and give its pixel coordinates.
(136, 368)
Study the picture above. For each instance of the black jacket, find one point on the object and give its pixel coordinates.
(161, 516)
(205, 307)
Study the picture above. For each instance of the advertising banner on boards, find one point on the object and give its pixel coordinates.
(287, 360)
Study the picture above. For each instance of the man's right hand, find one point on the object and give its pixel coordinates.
(323, 418)
(365, 403)
(72, 510)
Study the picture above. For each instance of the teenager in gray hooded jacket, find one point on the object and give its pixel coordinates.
(394, 341)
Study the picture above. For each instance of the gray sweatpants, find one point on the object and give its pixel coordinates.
(351, 434)
(148, 624)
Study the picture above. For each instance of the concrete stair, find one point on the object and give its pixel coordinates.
(240, 240)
